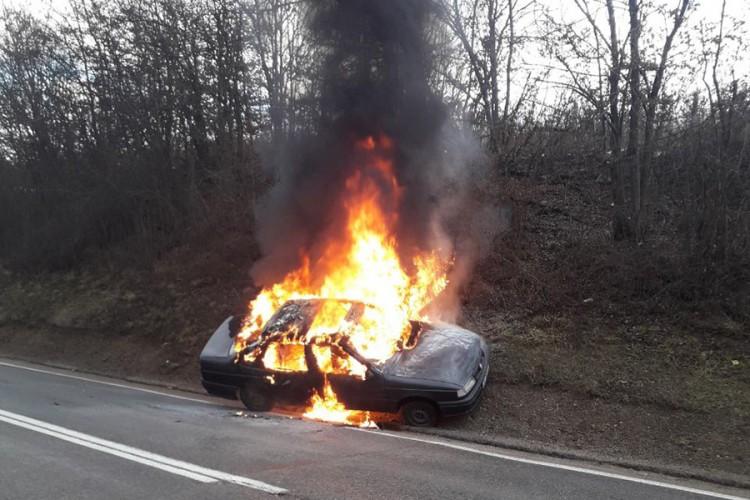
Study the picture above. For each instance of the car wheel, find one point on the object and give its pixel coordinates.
(419, 413)
(255, 398)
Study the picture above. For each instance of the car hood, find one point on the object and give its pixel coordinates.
(445, 353)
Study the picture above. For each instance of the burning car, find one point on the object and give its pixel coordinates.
(346, 322)
(312, 351)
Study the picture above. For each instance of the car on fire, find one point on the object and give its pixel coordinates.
(439, 371)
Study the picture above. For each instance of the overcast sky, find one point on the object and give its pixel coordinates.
(704, 11)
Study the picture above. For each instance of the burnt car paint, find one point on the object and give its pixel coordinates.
(444, 358)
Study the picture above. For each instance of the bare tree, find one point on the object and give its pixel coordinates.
(280, 47)
(598, 54)
(120, 119)
(485, 31)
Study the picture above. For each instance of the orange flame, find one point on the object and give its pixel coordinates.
(326, 407)
(363, 266)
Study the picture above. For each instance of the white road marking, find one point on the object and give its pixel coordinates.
(185, 469)
(383, 433)
(127, 456)
(104, 382)
(583, 470)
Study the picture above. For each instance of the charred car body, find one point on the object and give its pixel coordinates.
(439, 371)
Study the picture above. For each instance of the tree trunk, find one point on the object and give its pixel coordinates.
(620, 227)
(633, 153)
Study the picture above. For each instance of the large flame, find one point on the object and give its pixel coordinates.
(362, 266)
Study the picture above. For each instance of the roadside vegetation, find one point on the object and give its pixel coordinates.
(138, 138)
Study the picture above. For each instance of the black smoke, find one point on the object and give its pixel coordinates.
(374, 80)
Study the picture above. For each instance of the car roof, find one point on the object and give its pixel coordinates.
(302, 311)
(320, 300)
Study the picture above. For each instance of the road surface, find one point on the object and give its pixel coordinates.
(70, 436)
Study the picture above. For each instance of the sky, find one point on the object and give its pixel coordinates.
(684, 75)
(704, 11)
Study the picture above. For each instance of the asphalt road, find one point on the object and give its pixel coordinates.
(65, 435)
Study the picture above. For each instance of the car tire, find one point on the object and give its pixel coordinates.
(419, 413)
(255, 398)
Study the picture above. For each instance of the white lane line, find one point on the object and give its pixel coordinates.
(104, 382)
(93, 446)
(161, 462)
(554, 465)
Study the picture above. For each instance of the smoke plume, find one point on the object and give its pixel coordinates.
(374, 81)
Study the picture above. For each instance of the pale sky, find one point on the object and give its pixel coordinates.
(682, 80)
(704, 11)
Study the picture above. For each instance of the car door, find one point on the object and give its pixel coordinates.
(358, 394)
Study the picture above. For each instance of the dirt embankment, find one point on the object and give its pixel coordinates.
(142, 323)
(582, 358)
